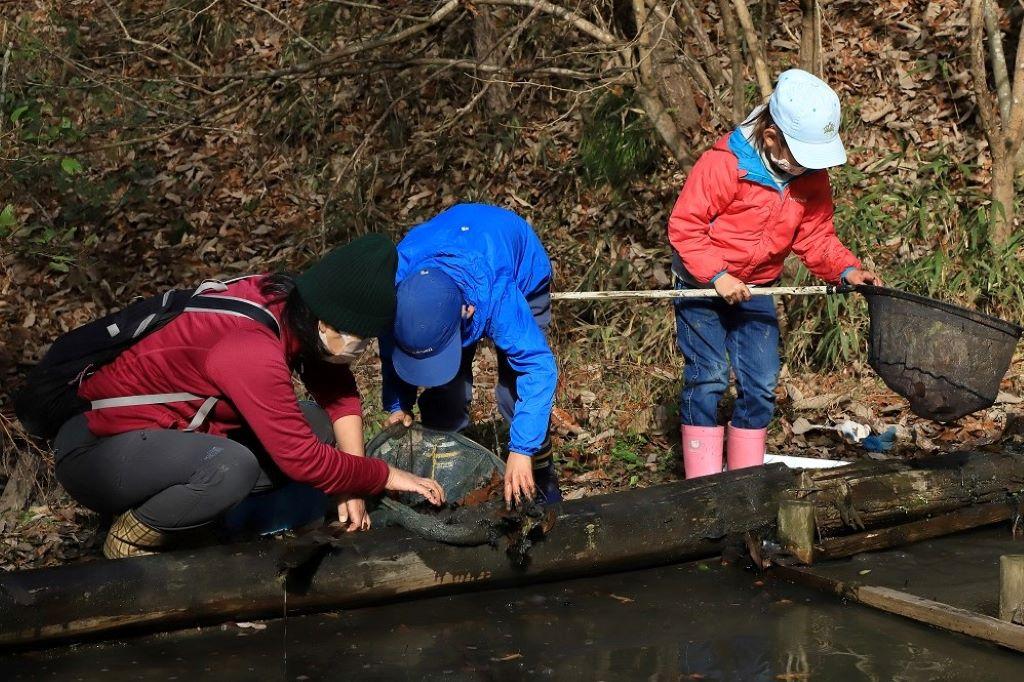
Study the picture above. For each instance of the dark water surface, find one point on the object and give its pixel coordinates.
(961, 570)
(692, 621)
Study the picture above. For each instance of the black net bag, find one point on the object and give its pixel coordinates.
(946, 360)
(461, 466)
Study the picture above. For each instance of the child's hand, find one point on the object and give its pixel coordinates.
(862, 277)
(732, 289)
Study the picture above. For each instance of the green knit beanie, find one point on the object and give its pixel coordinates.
(353, 287)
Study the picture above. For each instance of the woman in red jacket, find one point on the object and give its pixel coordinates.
(219, 418)
(758, 194)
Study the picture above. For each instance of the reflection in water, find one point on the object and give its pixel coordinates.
(694, 621)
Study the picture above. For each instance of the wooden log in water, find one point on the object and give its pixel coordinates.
(627, 530)
(1011, 588)
(911, 606)
(796, 528)
(873, 494)
(915, 531)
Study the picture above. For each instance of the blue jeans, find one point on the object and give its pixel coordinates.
(710, 334)
(446, 408)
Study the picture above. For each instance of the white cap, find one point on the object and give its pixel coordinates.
(806, 110)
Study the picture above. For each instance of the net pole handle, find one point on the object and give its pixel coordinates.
(818, 290)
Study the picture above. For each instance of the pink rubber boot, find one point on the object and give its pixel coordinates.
(746, 447)
(702, 450)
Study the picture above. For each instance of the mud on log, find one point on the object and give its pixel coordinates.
(628, 530)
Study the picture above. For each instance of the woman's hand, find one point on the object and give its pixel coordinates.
(519, 478)
(398, 416)
(863, 277)
(352, 514)
(404, 482)
(732, 289)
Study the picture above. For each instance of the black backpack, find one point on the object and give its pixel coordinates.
(50, 395)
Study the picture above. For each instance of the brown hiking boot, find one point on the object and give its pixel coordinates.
(128, 537)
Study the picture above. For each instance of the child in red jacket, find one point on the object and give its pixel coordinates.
(759, 193)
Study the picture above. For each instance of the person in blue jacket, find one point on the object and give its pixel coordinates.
(476, 271)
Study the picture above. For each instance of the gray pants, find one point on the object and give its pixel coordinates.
(174, 480)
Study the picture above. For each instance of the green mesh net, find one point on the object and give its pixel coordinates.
(464, 468)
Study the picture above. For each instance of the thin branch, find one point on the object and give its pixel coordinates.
(470, 65)
(205, 118)
(590, 28)
(352, 49)
(703, 41)
(819, 50)
(377, 7)
(96, 77)
(989, 118)
(998, 60)
(281, 22)
(3, 74)
(146, 43)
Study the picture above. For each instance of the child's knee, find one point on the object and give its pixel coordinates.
(709, 377)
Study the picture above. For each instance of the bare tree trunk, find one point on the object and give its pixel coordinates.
(810, 37)
(1003, 195)
(662, 119)
(487, 51)
(1001, 113)
(672, 80)
(754, 46)
(739, 103)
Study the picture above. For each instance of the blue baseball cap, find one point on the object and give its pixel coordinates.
(428, 328)
(806, 110)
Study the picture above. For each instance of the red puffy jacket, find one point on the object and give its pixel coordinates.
(732, 217)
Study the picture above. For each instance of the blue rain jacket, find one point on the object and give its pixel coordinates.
(497, 261)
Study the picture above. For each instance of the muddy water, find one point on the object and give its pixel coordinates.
(693, 621)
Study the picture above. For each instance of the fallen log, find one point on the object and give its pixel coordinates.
(620, 531)
(877, 494)
(628, 530)
(915, 531)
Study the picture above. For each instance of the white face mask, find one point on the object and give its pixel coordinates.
(787, 167)
(351, 348)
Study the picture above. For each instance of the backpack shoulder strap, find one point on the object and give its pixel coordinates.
(232, 305)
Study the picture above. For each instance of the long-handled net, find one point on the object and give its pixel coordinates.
(946, 360)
